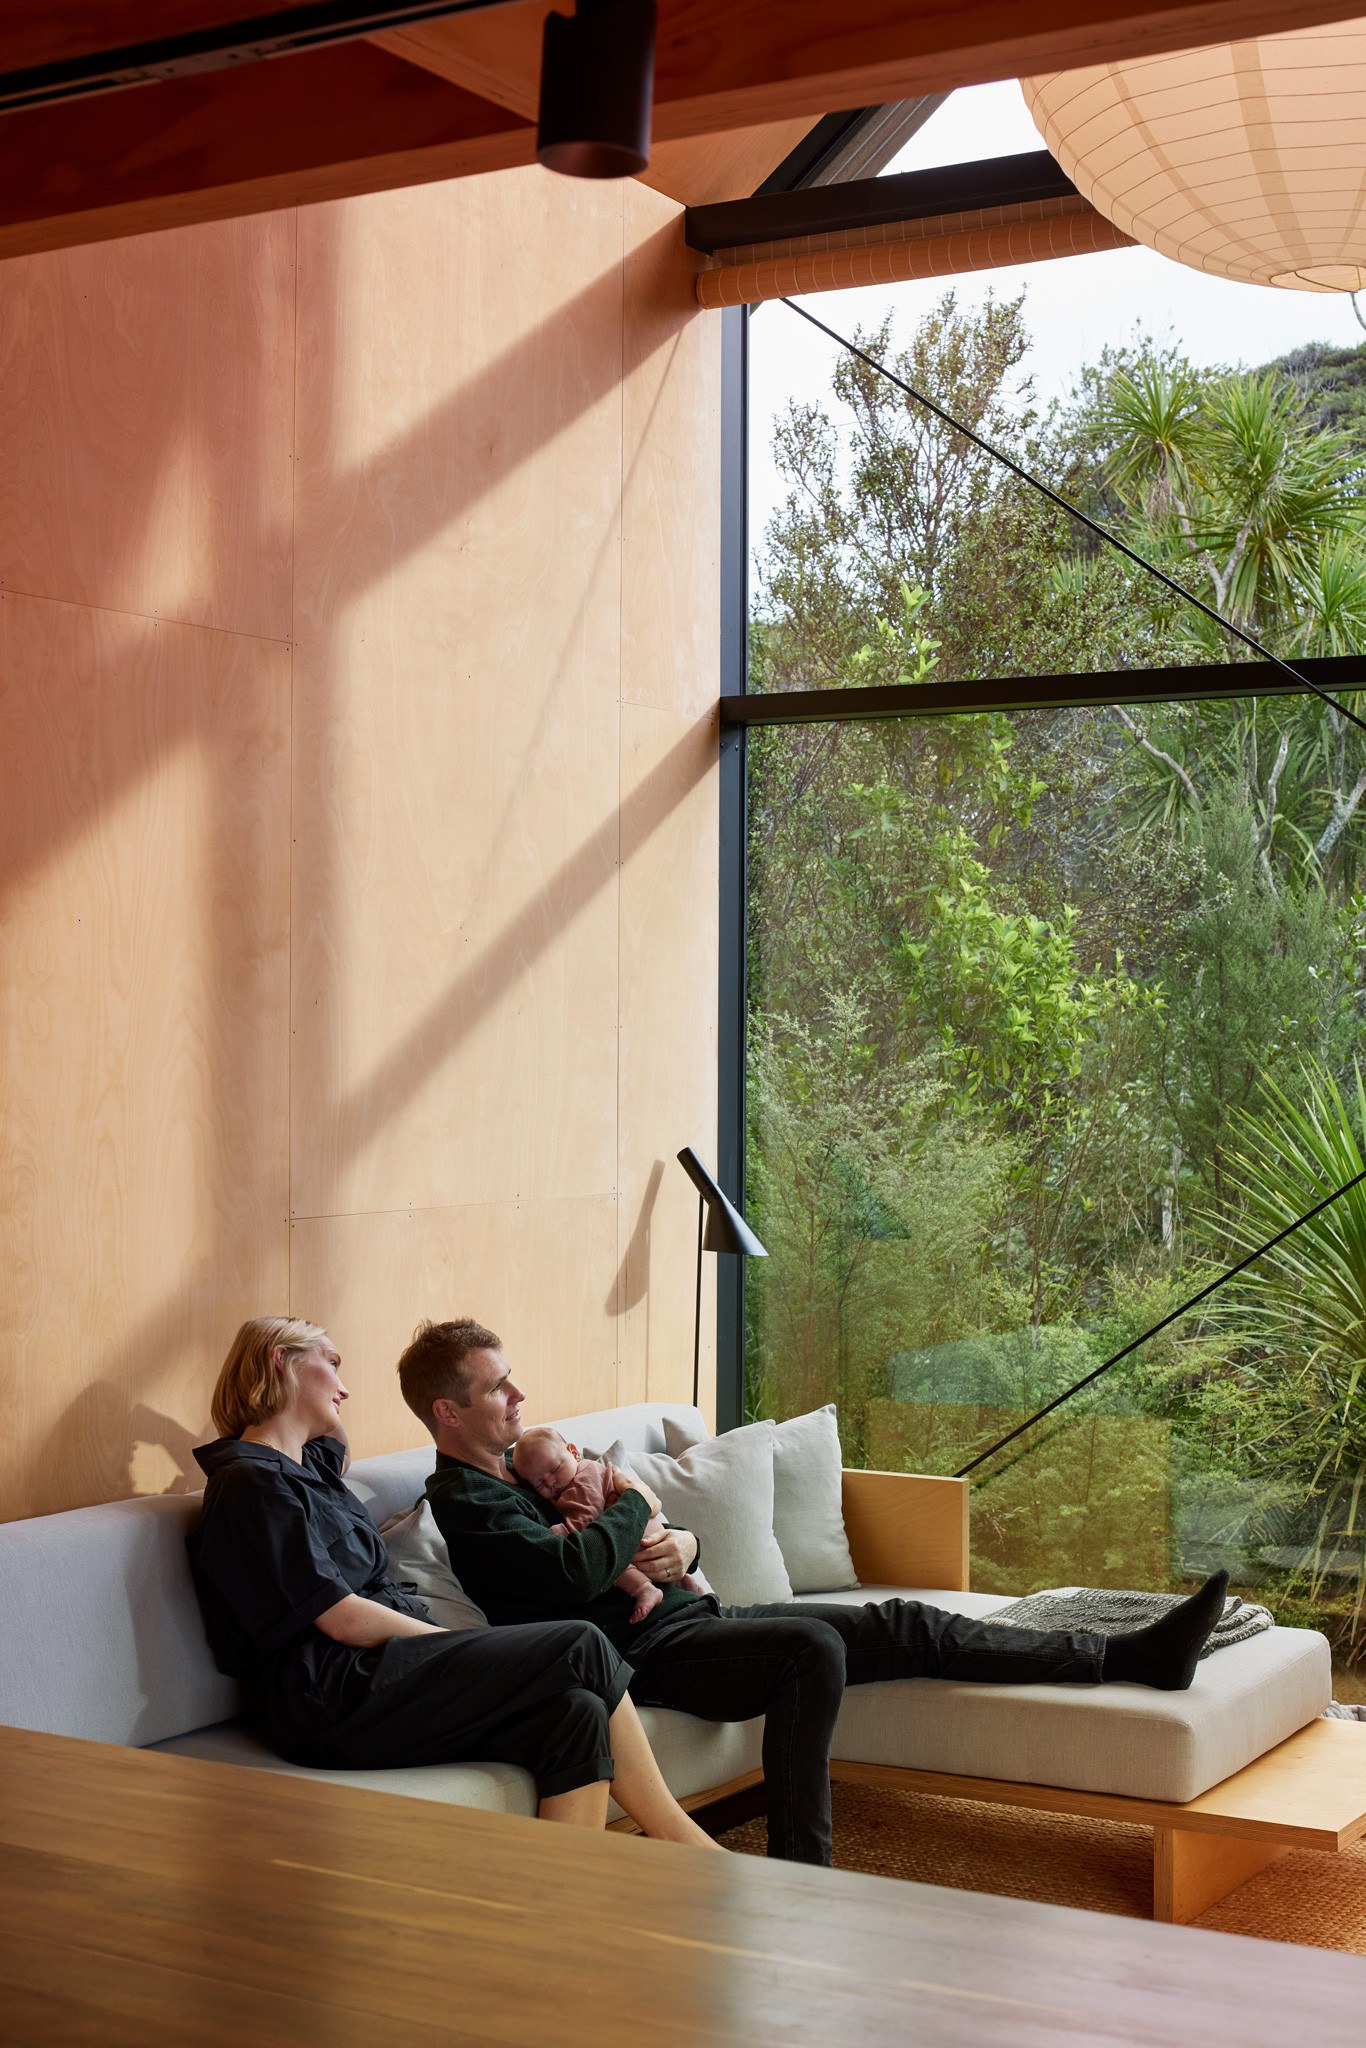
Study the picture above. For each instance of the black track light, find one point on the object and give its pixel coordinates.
(597, 85)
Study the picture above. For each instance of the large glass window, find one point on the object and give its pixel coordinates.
(1054, 1014)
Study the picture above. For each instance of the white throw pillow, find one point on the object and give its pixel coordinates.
(722, 1490)
(418, 1557)
(808, 1487)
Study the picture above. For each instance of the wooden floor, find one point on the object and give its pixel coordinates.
(148, 1900)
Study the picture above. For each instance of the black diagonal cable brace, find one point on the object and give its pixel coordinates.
(1166, 1321)
(1092, 525)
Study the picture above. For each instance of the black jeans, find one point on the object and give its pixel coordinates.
(791, 1664)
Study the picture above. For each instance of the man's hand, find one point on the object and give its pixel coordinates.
(668, 1557)
(626, 1482)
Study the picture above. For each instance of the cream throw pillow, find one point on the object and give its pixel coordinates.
(418, 1557)
(722, 1489)
(808, 1512)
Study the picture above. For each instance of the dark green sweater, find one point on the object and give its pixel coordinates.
(505, 1557)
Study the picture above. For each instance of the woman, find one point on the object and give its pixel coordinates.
(341, 1670)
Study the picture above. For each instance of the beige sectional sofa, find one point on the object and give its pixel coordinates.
(102, 1638)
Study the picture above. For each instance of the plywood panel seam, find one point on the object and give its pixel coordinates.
(155, 618)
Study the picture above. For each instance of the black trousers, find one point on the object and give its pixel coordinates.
(539, 1696)
(791, 1664)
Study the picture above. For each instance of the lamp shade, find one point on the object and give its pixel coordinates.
(727, 1230)
(1247, 160)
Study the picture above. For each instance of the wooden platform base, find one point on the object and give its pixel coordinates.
(1191, 1872)
(1308, 1793)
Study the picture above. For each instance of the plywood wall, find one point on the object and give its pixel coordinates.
(358, 664)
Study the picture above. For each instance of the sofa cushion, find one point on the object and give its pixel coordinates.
(693, 1755)
(640, 1427)
(496, 1788)
(808, 1489)
(1124, 1739)
(722, 1489)
(418, 1557)
(100, 1625)
(979, 1605)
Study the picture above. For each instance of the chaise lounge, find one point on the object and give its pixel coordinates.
(99, 1614)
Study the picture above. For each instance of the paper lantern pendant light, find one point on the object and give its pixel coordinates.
(1247, 160)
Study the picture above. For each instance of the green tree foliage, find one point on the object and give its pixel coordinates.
(1228, 480)
(875, 1208)
(888, 497)
(1308, 1298)
(1332, 382)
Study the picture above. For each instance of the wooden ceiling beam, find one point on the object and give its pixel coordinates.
(704, 169)
(724, 64)
(326, 125)
(727, 64)
(496, 54)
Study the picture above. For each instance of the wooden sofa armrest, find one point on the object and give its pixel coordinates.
(905, 1529)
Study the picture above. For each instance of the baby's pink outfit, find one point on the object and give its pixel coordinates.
(582, 1501)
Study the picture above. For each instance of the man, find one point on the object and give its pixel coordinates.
(788, 1663)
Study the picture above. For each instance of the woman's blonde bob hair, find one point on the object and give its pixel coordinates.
(257, 1379)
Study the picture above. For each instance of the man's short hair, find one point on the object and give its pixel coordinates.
(436, 1365)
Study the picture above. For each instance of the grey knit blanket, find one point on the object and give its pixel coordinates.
(1096, 1611)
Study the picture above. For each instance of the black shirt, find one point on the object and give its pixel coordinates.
(276, 1545)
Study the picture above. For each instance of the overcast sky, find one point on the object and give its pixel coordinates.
(1072, 307)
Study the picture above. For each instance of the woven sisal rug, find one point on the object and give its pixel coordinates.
(1105, 1866)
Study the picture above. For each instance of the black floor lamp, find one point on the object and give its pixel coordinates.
(726, 1231)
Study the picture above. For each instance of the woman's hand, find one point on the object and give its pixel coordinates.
(365, 1624)
(626, 1482)
(667, 1558)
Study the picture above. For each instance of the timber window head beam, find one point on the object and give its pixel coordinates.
(769, 217)
(1235, 679)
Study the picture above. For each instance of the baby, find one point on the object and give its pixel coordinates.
(581, 1490)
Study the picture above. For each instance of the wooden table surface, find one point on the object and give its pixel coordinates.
(154, 1899)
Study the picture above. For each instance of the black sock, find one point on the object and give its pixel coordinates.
(1166, 1652)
